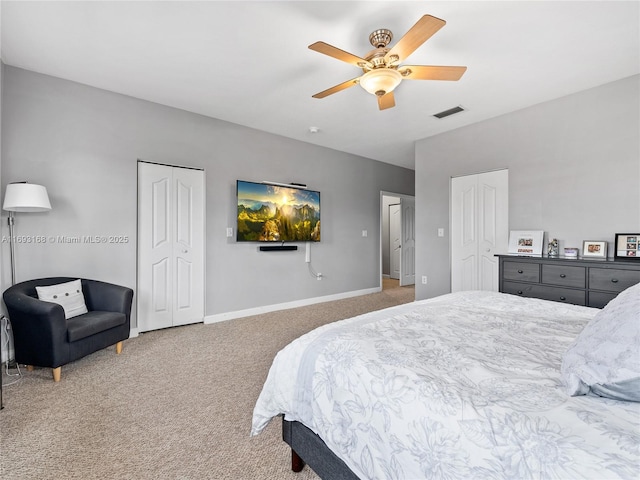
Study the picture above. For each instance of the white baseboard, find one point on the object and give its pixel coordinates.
(222, 317)
(134, 332)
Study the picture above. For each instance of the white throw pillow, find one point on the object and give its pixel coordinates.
(605, 358)
(69, 295)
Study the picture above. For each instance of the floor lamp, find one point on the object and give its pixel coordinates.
(21, 197)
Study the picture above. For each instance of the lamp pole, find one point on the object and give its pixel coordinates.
(21, 197)
(11, 222)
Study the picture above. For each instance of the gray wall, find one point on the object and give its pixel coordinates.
(574, 172)
(83, 144)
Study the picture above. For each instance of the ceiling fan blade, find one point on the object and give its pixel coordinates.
(416, 36)
(337, 88)
(431, 72)
(335, 52)
(386, 101)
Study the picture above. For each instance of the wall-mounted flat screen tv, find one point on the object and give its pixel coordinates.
(277, 213)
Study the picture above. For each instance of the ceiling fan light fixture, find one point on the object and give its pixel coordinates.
(380, 81)
(381, 67)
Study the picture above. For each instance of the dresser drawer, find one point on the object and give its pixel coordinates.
(565, 295)
(564, 275)
(612, 279)
(600, 299)
(522, 271)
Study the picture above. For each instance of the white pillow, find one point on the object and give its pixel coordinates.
(605, 358)
(69, 295)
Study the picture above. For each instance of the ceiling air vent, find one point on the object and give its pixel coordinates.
(451, 111)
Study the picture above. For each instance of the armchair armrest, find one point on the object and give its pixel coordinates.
(29, 310)
(39, 327)
(107, 297)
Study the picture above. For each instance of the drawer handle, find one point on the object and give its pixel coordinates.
(563, 298)
(614, 280)
(519, 292)
(562, 275)
(520, 271)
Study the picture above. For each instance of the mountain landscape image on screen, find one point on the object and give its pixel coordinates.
(272, 213)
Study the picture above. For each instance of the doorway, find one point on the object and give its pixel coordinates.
(170, 246)
(397, 239)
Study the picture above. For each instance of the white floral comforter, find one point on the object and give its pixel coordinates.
(463, 386)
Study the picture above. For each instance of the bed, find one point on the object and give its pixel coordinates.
(467, 385)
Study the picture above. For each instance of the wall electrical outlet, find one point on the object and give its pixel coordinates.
(364, 233)
(229, 232)
(318, 276)
(441, 232)
(424, 279)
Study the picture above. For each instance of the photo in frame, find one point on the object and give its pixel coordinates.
(526, 242)
(627, 246)
(594, 249)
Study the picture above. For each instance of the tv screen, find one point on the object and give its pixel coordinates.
(277, 213)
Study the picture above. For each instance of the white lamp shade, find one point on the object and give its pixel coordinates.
(26, 197)
(380, 81)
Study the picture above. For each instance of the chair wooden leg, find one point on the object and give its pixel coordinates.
(118, 348)
(29, 368)
(56, 374)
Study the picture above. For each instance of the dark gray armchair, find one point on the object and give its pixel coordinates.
(43, 337)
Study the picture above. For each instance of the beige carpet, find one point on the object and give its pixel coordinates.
(176, 404)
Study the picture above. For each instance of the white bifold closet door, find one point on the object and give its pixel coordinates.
(170, 246)
(479, 229)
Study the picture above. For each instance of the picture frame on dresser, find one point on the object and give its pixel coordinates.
(594, 249)
(526, 242)
(626, 246)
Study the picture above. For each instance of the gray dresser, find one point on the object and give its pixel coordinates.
(579, 281)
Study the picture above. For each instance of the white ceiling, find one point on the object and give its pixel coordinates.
(248, 62)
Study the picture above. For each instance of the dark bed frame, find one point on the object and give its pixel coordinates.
(307, 447)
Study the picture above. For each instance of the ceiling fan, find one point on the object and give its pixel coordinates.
(382, 72)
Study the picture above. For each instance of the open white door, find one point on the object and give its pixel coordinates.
(395, 240)
(408, 241)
